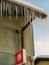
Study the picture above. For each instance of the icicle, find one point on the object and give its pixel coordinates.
(22, 11)
(9, 9)
(36, 20)
(45, 27)
(45, 23)
(1, 10)
(16, 8)
(30, 23)
(13, 9)
(25, 15)
(33, 15)
(30, 15)
(4, 8)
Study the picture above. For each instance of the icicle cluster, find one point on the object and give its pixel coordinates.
(8, 8)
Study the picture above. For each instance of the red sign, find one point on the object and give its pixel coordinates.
(21, 57)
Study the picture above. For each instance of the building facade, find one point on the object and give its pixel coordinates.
(16, 31)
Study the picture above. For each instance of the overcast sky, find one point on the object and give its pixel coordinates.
(41, 34)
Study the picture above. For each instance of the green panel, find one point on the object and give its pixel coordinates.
(7, 59)
(4, 59)
(8, 40)
(28, 41)
(9, 45)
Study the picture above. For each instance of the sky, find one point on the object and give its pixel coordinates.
(41, 33)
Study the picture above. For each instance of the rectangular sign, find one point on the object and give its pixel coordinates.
(21, 57)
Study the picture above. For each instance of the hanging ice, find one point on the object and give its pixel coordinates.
(9, 9)
(4, 9)
(16, 11)
(1, 10)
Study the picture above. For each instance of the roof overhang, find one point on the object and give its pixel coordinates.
(30, 6)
